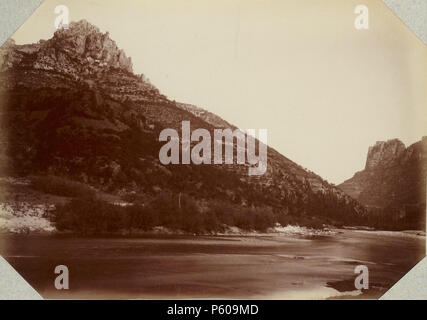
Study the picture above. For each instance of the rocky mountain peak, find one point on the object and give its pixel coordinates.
(80, 27)
(384, 153)
(394, 177)
(79, 50)
(84, 41)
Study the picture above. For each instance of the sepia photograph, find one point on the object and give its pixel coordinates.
(200, 149)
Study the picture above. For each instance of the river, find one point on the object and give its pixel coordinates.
(178, 267)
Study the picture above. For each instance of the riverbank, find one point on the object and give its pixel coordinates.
(26, 219)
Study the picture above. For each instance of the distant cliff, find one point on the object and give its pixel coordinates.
(394, 178)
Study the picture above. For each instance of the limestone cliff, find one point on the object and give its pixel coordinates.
(394, 176)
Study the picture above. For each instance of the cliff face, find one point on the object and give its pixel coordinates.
(394, 175)
(384, 153)
(71, 106)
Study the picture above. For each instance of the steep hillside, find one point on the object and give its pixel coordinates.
(72, 107)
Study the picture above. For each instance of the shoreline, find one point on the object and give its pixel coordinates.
(163, 231)
(157, 232)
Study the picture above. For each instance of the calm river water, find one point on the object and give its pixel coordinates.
(265, 267)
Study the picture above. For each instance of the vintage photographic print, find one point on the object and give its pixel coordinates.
(200, 149)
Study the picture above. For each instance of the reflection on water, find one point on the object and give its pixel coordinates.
(273, 267)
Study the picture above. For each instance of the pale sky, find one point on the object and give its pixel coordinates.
(324, 90)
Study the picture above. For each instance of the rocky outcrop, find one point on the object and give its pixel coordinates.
(394, 176)
(384, 153)
(79, 49)
(84, 41)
